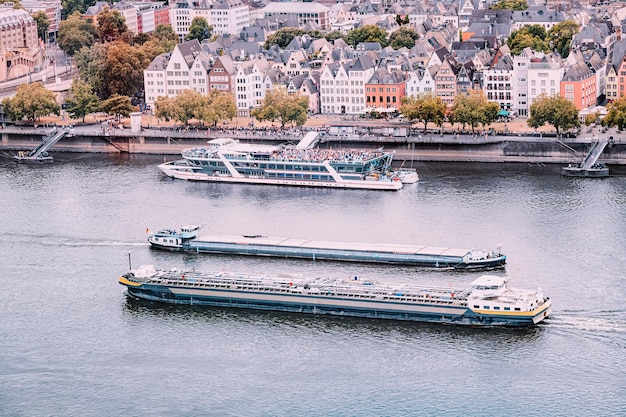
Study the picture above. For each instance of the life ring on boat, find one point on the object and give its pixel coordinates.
(396, 179)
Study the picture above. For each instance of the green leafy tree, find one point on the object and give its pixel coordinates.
(616, 115)
(199, 29)
(518, 5)
(368, 33)
(165, 36)
(219, 105)
(141, 38)
(43, 23)
(71, 6)
(188, 105)
(591, 119)
(530, 36)
(282, 107)
(403, 37)
(75, 33)
(123, 70)
(165, 108)
(333, 35)
(282, 37)
(118, 106)
(111, 25)
(474, 109)
(315, 34)
(556, 111)
(91, 63)
(162, 40)
(82, 100)
(31, 101)
(425, 108)
(560, 36)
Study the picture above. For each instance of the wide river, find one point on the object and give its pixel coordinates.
(72, 344)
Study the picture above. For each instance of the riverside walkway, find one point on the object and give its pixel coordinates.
(494, 146)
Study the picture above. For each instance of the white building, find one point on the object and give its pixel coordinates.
(535, 73)
(251, 83)
(342, 86)
(129, 13)
(311, 12)
(226, 16)
(421, 81)
(498, 83)
(185, 68)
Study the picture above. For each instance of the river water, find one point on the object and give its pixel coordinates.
(71, 344)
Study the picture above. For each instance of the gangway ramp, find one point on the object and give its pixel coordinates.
(308, 141)
(39, 154)
(594, 153)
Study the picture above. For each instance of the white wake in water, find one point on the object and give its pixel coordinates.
(604, 321)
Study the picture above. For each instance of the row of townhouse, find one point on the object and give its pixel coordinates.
(140, 17)
(341, 79)
(348, 82)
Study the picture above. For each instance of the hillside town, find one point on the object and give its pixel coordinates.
(461, 47)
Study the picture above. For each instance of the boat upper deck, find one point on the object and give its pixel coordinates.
(237, 150)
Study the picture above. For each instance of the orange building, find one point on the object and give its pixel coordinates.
(385, 89)
(579, 85)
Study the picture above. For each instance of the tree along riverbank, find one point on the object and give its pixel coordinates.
(421, 147)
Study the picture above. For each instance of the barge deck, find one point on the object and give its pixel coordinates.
(419, 255)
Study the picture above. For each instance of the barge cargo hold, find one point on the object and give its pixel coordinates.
(186, 239)
(488, 301)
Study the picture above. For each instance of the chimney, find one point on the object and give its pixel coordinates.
(618, 33)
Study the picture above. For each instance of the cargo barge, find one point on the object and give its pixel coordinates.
(186, 239)
(487, 301)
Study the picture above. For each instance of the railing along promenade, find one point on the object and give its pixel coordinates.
(433, 145)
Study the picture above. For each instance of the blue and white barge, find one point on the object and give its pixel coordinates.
(186, 239)
(487, 301)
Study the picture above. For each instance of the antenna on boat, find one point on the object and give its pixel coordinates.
(130, 267)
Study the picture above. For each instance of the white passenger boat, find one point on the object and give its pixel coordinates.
(488, 300)
(228, 160)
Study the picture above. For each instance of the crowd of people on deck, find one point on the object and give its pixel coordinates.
(316, 154)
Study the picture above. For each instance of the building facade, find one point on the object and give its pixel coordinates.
(20, 51)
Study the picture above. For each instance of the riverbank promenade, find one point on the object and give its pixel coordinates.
(512, 141)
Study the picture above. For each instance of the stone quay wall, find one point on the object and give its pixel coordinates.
(432, 147)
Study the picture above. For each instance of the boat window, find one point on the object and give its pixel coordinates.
(507, 308)
(496, 308)
(486, 307)
(517, 309)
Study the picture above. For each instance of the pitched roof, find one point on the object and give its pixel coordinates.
(189, 50)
